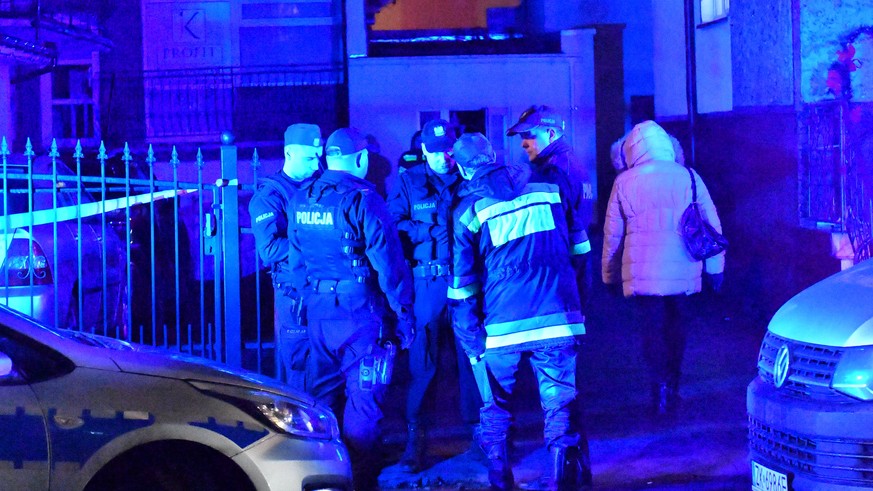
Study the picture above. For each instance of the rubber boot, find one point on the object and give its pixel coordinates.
(412, 459)
(499, 470)
(570, 470)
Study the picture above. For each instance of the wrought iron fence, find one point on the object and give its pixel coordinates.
(137, 247)
(835, 172)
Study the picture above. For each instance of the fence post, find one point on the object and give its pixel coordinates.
(230, 247)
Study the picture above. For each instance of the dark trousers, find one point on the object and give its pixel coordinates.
(432, 323)
(343, 329)
(555, 370)
(664, 335)
(292, 341)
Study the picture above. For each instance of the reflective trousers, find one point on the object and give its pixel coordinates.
(432, 322)
(555, 370)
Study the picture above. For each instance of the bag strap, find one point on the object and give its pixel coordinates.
(693, 185)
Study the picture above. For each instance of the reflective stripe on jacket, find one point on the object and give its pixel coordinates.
(512, 272)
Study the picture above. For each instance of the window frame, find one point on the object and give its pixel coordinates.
(66, 136)
(713, 6)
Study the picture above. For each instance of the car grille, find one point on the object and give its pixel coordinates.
(848, 462)
(811, 370)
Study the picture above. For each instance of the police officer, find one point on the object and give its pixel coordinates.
(516, 230)
(421, 209)
(552, 159)
(351, 246)
(270, 227)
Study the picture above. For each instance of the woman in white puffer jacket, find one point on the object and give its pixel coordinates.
(643, 249)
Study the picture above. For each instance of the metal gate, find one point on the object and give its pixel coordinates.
(142, 247)
(835, 172)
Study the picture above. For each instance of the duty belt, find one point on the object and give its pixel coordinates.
(338, 286)
(429, 269)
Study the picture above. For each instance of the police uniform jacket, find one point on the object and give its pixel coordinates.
(268, 210)
(345, 233)
(512, 275)
(422, 202)
(556, 163)
(642, 246)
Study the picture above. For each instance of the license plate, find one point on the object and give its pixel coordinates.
(766, 479)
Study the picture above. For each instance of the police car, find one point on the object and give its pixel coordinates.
(811, 406)
(79, 411)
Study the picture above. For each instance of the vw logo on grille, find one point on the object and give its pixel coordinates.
(780, 366)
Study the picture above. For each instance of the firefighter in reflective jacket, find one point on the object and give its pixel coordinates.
(421, 209)
(267, 210)
(350, 243)
(552, 159)
(516, 231)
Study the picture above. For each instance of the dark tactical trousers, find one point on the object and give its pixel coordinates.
(555, 370)
(293, 341)
(343, 328)
(431, 320)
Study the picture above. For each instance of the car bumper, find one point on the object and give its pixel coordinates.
(294, 464)
(820, 444)
(35, 301)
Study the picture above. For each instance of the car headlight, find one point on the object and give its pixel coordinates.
(297, 419)
(854, 373)
(280, 413)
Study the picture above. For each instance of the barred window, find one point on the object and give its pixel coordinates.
(73, 111)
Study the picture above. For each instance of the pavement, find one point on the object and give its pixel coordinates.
(701, 447)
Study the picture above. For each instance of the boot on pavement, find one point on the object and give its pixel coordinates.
(499, 470)
(569, 471)
(412, 459)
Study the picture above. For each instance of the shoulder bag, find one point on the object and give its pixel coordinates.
(701, 238)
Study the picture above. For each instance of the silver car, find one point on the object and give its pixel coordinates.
(52, 266)
(80, 411)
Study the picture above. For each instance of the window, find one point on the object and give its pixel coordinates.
(73, 103)
(712, 10)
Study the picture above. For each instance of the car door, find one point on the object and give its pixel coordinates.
(24, 461)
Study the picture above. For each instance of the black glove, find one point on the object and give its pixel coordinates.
(614, 289)
(715, 281)
(439, 233)
(405, 329)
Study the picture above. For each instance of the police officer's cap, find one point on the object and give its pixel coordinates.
(344, 141)
(537, 116)
(303, 134)
(437, 136)
(473, 150)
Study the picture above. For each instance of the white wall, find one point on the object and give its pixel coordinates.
(713, 48)
(714, 79)
(386, 95)
(669, 58)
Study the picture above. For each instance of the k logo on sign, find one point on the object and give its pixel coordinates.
(781, 366)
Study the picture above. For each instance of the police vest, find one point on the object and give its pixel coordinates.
(331, 249)
(430, 205)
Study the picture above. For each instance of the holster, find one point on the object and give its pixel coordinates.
(377, 368)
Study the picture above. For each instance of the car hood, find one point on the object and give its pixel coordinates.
(160, 362)
(837, 311)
